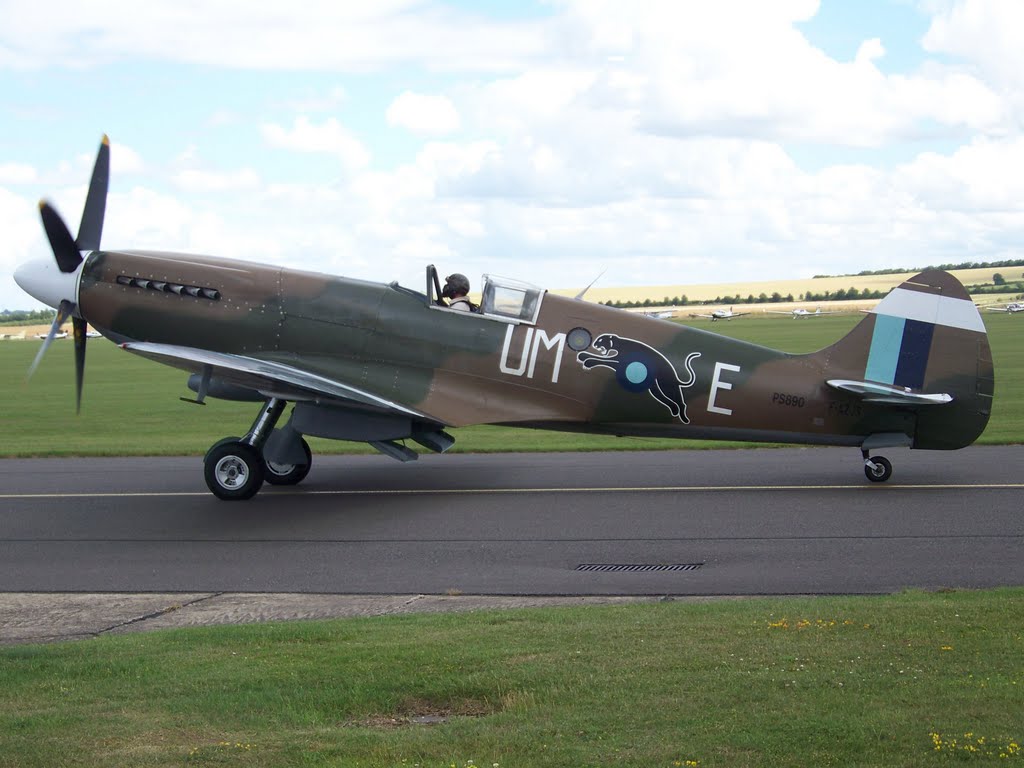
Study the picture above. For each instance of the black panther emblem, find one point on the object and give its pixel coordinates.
(638, 367)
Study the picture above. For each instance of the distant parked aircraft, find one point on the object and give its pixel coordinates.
(801, 312)
(664, 314)
(1013, 307)
(722, 314)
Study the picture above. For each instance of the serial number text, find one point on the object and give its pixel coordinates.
(794, 401)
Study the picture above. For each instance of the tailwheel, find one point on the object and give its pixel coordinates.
(878, 469)
(289, 474)
(233, 470)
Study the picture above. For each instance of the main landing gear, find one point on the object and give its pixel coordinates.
(235, 468)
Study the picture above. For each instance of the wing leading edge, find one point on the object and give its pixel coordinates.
(267, 377)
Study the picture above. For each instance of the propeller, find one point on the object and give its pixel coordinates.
(67, 252)
(63, 311)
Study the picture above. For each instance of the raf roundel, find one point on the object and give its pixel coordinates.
(636, 375)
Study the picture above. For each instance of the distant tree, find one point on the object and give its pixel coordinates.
(998, 279)
(25, 315)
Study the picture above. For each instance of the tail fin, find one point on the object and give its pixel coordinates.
(925, 348)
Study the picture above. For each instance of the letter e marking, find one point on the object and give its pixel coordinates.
(717, 384)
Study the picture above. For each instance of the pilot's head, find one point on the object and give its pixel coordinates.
(455, 285)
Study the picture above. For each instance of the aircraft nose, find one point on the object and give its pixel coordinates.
(42, 280)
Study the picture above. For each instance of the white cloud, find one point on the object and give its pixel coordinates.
(266, 35)
(691, 69)
(23, 233)
(329, 137)
(987, 33)
(193, 180)
(423, 114)
(17, 173)
(123, 161)
(978, 177)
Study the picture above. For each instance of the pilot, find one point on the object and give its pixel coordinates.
(456, 287)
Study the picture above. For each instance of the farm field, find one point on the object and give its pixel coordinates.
(130, 406)
(708, 291)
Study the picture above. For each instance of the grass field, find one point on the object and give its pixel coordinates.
(131, 407)
(903, 680)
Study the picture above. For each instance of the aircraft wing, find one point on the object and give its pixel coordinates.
(267, 377)
(872, 392)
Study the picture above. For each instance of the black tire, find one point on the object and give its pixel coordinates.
(881, 472)
(288, 474)
(233, 470)
(219, 443)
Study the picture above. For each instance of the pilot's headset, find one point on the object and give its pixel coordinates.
(455, 284)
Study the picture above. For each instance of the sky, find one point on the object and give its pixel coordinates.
(663, 143)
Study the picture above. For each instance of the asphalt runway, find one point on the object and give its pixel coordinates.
(721, 522)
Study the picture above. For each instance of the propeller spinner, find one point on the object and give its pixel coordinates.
(56, 283)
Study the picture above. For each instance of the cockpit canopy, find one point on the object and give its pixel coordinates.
(502, 298)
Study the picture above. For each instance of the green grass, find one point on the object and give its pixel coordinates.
(131, 406)
(781, 682)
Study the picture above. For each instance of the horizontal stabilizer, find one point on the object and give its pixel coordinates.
(872, 392)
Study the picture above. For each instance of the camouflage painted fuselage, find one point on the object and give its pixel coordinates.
(579, 367)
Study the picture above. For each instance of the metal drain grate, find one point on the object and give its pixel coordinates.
(637, 567)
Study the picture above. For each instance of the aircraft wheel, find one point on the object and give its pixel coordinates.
(882, 470)
(289, 474)
(219, 443)
(233, 470)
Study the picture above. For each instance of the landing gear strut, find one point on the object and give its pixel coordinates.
(234, 468)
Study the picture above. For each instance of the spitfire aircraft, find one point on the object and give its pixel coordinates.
(385, 363)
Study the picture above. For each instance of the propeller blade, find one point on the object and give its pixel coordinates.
(65, 251)
(58, 320)
(80, 338)
(91, 228)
